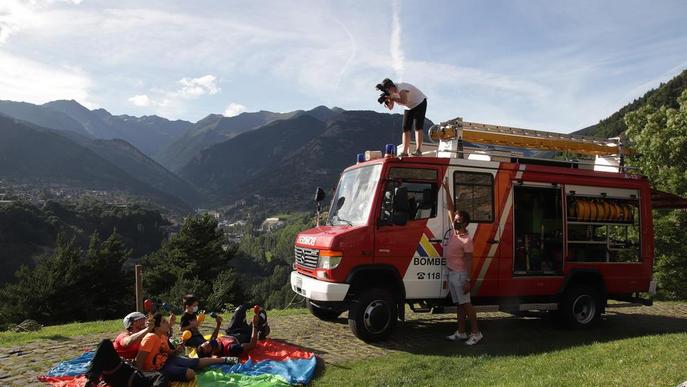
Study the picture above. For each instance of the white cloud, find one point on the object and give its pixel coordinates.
(141, 100)
(22, 79)
(234, 109)
(14, 15)
(166, 101)
(396, 46)
(195, 87)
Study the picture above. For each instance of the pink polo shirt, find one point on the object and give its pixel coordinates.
(456, 248)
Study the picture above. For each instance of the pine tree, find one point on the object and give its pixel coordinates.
(198, 253)
(110, 288)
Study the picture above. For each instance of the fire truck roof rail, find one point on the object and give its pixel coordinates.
(526, 138)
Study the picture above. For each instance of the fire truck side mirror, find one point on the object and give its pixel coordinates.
(319, 194)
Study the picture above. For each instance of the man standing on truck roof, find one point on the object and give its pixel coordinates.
(415, 104)
(458, 254)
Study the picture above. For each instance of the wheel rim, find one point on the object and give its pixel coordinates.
(584, 309)
(376, 317)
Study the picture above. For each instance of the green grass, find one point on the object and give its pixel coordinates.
(640, 361)
(60, 332)
(67, 331)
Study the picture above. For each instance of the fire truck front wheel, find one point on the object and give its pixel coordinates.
(581, 306)
(373, 316)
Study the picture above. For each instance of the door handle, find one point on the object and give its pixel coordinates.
(492, 241)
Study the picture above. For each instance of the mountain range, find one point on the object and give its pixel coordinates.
(216, 128)
(125, 144)
(39, 156)
(266, 159)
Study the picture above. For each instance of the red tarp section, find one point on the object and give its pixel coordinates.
(64, 381)
(276, 350)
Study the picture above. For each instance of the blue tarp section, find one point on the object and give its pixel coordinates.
(74, 367)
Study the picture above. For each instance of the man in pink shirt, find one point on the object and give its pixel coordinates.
(458, 253)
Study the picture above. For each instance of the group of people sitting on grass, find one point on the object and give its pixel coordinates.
(144, 354)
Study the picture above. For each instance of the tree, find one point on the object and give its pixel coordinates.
(226, 289)
(50, 292)
(198, 253)
(66, 286)
(671, 257)
(659, 138)
(107, 285)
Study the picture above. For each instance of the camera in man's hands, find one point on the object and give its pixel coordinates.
(385, 94)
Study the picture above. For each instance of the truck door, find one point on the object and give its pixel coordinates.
(414, 248)
(473, 190)
(532, 264)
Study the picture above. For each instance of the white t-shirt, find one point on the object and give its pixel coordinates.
(415, 96)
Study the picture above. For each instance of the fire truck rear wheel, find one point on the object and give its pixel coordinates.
(373, 317)
(322, 314)
(581, 306)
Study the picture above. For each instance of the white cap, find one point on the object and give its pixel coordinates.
(131, 317)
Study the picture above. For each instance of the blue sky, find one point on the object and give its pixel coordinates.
(549, 65)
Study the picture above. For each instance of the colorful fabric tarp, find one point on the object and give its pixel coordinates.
(270, 364)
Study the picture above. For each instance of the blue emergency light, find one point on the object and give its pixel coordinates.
(389, 149)
(360, 157)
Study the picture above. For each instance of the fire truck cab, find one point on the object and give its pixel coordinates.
(557, 235)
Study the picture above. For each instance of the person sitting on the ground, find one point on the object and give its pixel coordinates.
(156, 354)
(189, 321)
(108, 365)
(229, 345)
(242, 330)
(127, 343)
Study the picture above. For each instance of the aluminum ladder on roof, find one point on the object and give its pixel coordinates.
(527, 138)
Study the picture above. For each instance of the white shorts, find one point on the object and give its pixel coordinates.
(456, 281)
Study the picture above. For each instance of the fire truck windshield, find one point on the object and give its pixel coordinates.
(353, 199)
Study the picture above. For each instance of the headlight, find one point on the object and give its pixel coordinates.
(329, 259)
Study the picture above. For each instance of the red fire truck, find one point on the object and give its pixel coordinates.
(558, 235)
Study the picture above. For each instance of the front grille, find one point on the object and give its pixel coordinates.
(307, 257)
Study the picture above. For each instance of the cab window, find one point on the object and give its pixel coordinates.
(421, 187)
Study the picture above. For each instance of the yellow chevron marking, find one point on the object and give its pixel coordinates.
(428, 247)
